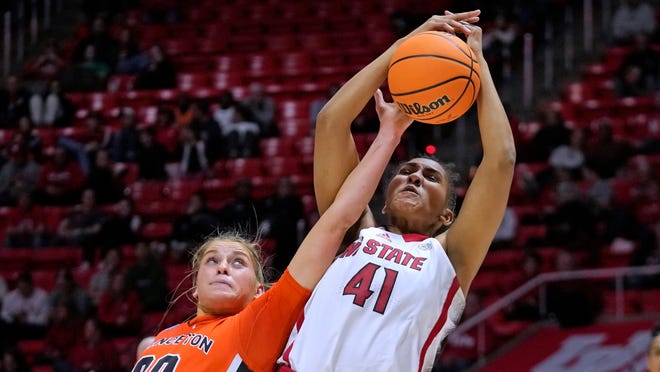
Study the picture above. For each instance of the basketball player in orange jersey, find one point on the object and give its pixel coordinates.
(390, 298)
(241, 326)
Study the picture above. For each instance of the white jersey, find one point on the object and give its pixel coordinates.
(385, 304)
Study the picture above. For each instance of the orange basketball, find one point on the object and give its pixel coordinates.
(434, 77)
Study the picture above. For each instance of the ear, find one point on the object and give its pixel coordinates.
(447, 217)
(195, 295)
(260, 290)
(384, 210)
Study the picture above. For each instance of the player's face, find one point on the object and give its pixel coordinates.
(654, 355)
(418, 190)
(226, 280)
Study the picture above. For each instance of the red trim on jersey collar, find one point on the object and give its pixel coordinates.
(409, 237)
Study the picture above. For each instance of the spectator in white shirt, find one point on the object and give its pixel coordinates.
(25, 310)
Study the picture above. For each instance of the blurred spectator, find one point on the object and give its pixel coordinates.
(526, 307)
(124, 145)
(48, 65)
(92, 352)
(81, 227)
(26, 224)
(506, 232)
(606, 154)
(100, 280)
(96, 135)
(63, 330)
(130, 59)
(573, 223)
(283, 219)
(13, 360)
(18, 175)
(242, 136)
(573, 302)
(13, 102)
(87, 75)
(148, 278)
(103, 44)
(552, 134)
(208, 130)
(190, 228)
(630, 82)
(25, 310)
(102, 178)
(191, 155)
(159, 73)
(119, 309)
(60, 180)
(66, 290)
(632, 17)
(646, 58)
(261, 109)
(183, 110)
(121, 227)
(29, 136)
(151, 157)
(224, 111)
(52, 107)
(569, 157)
(498, 46)
(165, 132)
(242, 212)
(317, 104)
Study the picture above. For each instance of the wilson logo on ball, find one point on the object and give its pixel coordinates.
(419, 109)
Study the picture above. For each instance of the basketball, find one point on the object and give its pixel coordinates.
(434, 77)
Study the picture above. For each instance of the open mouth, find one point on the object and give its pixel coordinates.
(411, 189)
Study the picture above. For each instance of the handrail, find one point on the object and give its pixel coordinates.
(541, 280)
(17, 25)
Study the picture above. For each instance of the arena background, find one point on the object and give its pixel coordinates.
(572, 280)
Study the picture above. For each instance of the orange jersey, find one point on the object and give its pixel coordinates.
(251, 340)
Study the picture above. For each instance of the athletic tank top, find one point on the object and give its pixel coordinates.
(385, 304)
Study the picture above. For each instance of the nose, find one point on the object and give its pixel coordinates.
(223, 267)
(415, 178)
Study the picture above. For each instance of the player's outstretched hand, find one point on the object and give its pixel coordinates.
(449, 22)
(389, 115)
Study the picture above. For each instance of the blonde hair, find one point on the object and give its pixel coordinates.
(252, 248)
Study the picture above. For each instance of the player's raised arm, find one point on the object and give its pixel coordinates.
(335, 154)
(470, 236)
(319, 247)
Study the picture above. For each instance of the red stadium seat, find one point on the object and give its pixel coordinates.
(244, 167)
(192, 80)
(281, 43)
(218, 189)
(261, 65)
(305, 146)
(181, 190)
(232, 62)
(294, 128)
(178, 46)
(159, 231)
(296, 63)
(146, 191)
(280, 166)
(276, 147)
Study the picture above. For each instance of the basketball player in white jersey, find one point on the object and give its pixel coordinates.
(389, 300)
